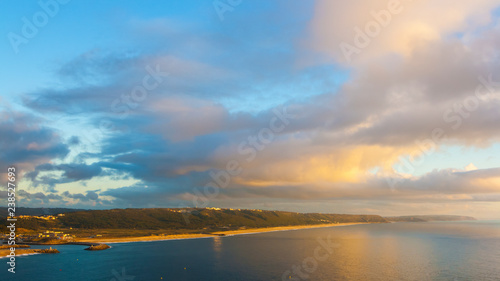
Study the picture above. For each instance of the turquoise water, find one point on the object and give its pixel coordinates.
(397, 251)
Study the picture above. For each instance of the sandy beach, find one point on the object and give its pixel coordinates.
(215, 234)
(280, 228)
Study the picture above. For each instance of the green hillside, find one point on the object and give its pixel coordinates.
(188, 219)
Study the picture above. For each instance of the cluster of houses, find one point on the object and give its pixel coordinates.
(47, 234)
(231, 209)
(55, 235)
(48, 217)
(187, 210)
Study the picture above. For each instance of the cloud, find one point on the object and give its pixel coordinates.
(26, 142)
(70, 173)
(411, 25)
(89, 198)
(38, 196)
(90, 195)
(218, 90)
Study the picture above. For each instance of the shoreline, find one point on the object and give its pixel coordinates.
(215, 234)
(20, 252)
(20, 255)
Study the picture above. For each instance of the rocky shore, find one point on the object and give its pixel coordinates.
(98, 247)
(4, 252)
(23, 249)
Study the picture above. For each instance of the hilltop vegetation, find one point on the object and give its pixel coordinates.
(180, 220)
(201, 218)
(189, 219)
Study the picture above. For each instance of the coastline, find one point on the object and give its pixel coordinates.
(20, 252)
(215, 234)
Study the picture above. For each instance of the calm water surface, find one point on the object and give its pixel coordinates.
(397, 251)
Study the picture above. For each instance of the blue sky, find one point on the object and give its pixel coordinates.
(81, 139)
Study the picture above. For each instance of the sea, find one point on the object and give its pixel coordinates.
(393, 251)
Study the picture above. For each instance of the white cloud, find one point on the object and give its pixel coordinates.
(416, 23)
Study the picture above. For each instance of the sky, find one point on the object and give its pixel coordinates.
(388, 107)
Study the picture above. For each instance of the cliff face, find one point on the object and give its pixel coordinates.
(427, 218)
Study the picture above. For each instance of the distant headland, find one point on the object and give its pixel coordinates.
(429, 218)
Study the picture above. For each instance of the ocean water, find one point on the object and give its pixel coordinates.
(397, 251)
